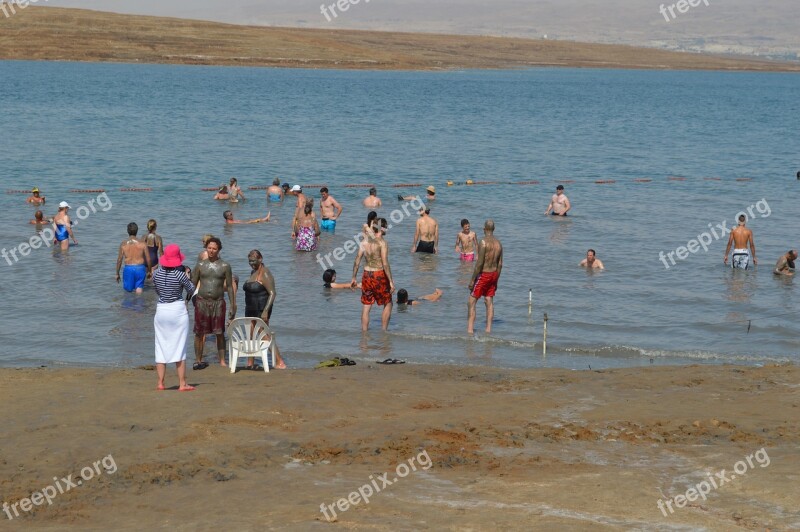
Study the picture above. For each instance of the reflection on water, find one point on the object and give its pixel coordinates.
(376, 344)
(740, 285)
(561, 229)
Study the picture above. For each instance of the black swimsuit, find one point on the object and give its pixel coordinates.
(255, 300)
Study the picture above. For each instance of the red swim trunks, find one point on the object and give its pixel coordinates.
(375, 288)
(209, 316)
(485, 285)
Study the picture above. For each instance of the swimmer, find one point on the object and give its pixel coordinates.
(429, 196)
(403, 299)
(328, 208)
(377, 285)
(35, 199)
(785, 264)
(305, 230)
(591, 261)
(275, 192)
(426, 236)
(329, 278)
(64, 226)
(228, 215)
(137, 261)
(39, 219)
(485, 277)
(559, 204)
(155, 246)
(740, 236)
(222, 193)
(234, 192)
(466, 242)
(372, 201)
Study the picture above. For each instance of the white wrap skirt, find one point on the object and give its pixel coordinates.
(172, 330)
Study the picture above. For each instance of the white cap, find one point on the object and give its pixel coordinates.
(297, 188)
(63, 204)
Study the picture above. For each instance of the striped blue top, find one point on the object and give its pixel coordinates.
(170, 284)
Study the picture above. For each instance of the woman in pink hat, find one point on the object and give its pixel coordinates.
(172, 319)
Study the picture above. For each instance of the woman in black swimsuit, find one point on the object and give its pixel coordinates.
(155, 246)
(259, 296)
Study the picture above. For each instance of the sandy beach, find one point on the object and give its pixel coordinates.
(491, 448)
(57, 34)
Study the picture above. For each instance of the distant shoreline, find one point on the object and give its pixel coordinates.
(59, 34)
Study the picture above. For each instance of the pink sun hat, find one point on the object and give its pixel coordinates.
(172, 257)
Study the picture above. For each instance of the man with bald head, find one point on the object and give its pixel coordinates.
(485, 276)
(785, 264)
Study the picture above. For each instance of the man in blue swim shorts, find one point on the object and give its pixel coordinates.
(137, 261)
(329, 209)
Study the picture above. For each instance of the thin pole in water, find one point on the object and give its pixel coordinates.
(544, 336)
(530, 301)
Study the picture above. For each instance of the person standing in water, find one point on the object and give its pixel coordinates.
(485, 277)
(559, 204)
(234, 192)
(35, 198)
(137, 261)
(39, 220)
(155, 246)
(372, 201)
(305, 230)
(275, 192)
(64, 226)
(212, 275)
(377, 285)
(259, 297)
(466, 242)
(591, 261)
(328, 208)
(785, 264)
(739, 238)
(426, 236)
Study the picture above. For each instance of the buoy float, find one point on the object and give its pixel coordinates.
(469, 182)
(527, 183)
(675, 178)
(642, 180)
(399, 185)
(712, 179)
(359, 185)
(605, 181)
(210, 189)
(313, 186)
(136, 190)
(450, 183)
(18, 192)
(744, 179)
(258, 187)
(87, 190)
(567, 181)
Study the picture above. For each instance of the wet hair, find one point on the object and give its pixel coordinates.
(223, 189)
(402, 296)
(227, 213)
(133, 229)
(257, 253)
(276, 182)
(323, 189)
(216, 241)
(328, 276)
(308, 208)
(373, 191)
(38, 215)
(371, 216)
(384, 224)
(427, 210)
(206, 238)
(234, 181)
(742, 218)
(285, 186)
(151, 225)
(464, 222)
(593, 252)
(560, 187)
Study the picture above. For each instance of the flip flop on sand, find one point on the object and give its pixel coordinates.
(199, 365)
(389, 361)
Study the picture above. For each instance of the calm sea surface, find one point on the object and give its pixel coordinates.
(178, 129)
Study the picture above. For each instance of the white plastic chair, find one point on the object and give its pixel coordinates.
(250, 337)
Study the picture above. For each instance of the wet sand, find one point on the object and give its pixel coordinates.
(508, 449)
(58, 34)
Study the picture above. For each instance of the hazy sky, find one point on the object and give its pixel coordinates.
(770, 22)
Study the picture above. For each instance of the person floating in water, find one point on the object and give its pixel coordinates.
(466, 242)
(591, 261)
(377, 285)
(328, 208)
(785, 264)
(426, 236)
(559, 203)
(137, 261)
(36, 199)
(275, 192)
(429, 196)
(228, 215)
(403, 299)
(64, 226)
(739, 238)
(485, 277)
(329, 278)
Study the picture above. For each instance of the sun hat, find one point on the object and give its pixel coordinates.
(63, 205)
(431, 189)
(35, 189)
(172, 257)
(297, 188)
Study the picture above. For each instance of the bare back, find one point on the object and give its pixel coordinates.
(133, 251)
(492, 254)
(741, 237)
(427, 228)
(372, 254)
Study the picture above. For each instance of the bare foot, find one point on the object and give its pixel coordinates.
(223, 364)
(266, 218)
(160, 386)
(281, 365)
(186, 388)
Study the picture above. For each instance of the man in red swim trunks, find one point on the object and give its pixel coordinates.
(485, 277)
(377, 285)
